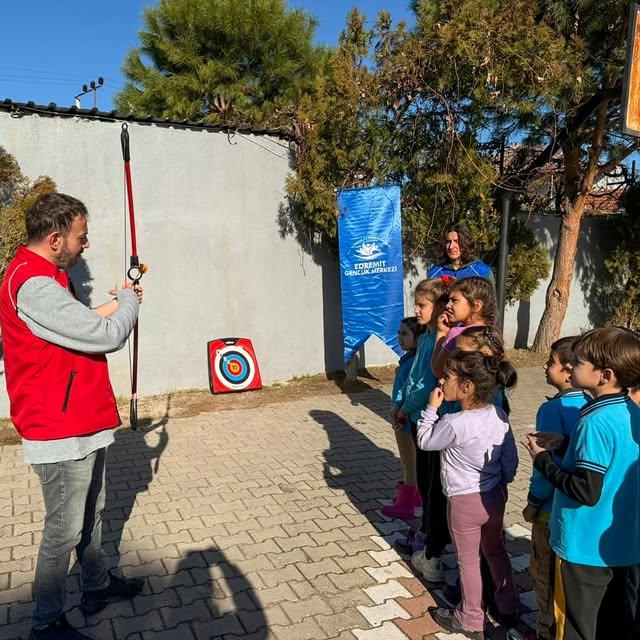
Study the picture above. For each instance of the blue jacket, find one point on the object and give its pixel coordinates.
(559, 414)
(420, 381)
(475, 268)
(402, 373)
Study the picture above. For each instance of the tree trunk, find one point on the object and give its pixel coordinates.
(578, 182)
(559, 288)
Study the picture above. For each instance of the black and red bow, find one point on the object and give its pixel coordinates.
(135, 271)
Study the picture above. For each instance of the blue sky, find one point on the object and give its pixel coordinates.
(50, 48)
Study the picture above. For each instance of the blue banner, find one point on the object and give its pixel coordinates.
(370, 236)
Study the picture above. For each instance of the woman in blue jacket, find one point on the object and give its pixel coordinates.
(457, 256)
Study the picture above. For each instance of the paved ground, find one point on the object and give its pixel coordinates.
(258, 524)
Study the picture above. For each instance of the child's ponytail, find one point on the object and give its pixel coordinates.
(485, 338)
(506, 375)
(485, 372)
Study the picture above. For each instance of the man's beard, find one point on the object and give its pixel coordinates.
(66, 259)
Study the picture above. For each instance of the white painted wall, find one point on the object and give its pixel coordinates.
(207, 214)
(583, 311)
(207, 228)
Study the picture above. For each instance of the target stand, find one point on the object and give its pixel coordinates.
(232, 365)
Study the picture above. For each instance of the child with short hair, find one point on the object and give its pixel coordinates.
(595, 518)
(478, 459)
(407, 496)
(560, 415)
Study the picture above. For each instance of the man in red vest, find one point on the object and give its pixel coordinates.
(62, 404)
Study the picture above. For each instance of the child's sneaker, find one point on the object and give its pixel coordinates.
(412, 542)
(447, 620)
(430, 568)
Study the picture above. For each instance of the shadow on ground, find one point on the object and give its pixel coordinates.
(132, 464)
(368, 474)
(220, 602)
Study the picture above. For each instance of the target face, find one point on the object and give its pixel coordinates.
(234, 367)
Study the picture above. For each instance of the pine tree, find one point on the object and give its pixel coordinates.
(222, 61)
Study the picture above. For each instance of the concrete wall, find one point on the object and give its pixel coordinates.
(207, 210)
(583, 312)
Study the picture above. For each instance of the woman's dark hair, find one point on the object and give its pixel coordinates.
(563, 348)
(475, 288)
(414, 326)
(485, 372)
(52, 212)
(465, 241)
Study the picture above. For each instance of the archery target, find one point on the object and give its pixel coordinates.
(232, 365)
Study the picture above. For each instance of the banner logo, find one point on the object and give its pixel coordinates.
(368, 248)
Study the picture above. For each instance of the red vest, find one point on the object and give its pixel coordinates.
(54, 392)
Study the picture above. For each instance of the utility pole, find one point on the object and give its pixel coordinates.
(501, 288)
(501, 285)
(93, 87)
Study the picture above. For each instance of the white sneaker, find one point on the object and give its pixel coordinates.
(431, 568)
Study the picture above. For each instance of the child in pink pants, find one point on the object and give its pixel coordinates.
(478, 459)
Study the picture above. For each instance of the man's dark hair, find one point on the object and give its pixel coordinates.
(52, 212)
(466, 243)
(563, 348)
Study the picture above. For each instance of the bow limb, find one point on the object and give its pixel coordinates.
(134, 273)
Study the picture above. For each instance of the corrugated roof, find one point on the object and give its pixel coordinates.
(19, 109)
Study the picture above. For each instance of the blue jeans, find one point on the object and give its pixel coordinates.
(74, 497)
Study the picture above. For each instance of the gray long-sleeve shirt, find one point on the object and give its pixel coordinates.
(53, 314)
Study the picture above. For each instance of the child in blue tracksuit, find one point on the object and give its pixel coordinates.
(557, 415)
(407, 496)
(595, 518)
(430, 297)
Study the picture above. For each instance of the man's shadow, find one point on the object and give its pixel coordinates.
(132, 464)
(216, 593)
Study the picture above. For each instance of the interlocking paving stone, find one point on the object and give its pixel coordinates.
(382, 592)
(388, 631)
(417, 628)
(389, 610)
(260, 524)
